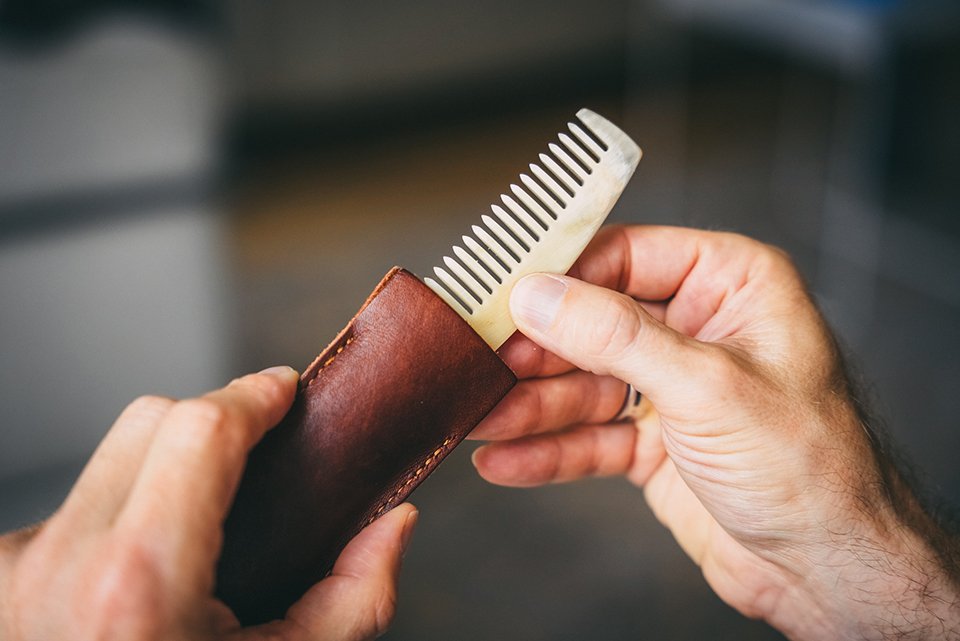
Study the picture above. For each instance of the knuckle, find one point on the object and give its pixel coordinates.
(765, 255)
(606, 400)
(122, 595)
(594, 462)
(530, 399)
(203, 412)
(207, 420)
(776, 260)
(614, 328)
(148, 407)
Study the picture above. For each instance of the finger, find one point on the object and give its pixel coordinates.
(608, 333)
(646, 262)
(529, 360)
(190, 474)
(586, 450)
(358, 600)
(545, 404)
(697, 270)
(105, 482)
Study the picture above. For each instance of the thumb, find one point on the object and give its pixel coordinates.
(606, 332)
(358, 599)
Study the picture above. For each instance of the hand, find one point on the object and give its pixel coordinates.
(749, 444)
(131, 553)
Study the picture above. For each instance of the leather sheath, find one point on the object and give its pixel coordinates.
(376, 412)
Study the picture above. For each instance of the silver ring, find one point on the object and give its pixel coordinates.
(630, 402)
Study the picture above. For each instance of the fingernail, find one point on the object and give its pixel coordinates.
(535, 300)
(408, 527)
(475, 455)
(284, 371)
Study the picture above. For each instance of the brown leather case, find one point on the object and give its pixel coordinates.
(377, 411)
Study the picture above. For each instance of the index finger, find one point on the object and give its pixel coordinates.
(191, 471)
(693, 270)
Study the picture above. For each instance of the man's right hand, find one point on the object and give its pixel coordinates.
(751, 448)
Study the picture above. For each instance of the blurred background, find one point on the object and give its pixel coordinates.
(193, 189)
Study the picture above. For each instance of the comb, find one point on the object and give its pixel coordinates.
(541, 224)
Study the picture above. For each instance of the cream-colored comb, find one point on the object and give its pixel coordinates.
(540, 225)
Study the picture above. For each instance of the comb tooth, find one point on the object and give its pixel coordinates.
(526, 218)
(579, 155)
(562, 177)
(541, 196)
(463, 277)
(502, 235)
(623, 152)
(523, 237)
(568, 163)
(458, 291)
(474, 268)
(493, 267)
(441, 292)
(538, 212)
(607, 134)
(586, 141)
(549, 184)
(496, 249)
(447, 297)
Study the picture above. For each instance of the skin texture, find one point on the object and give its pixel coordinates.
(749, 445)
(131, 553)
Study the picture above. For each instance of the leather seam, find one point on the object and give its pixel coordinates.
(411, 478)
(330, 360)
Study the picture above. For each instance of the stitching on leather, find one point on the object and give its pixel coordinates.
(410, 479)
(331, 359)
